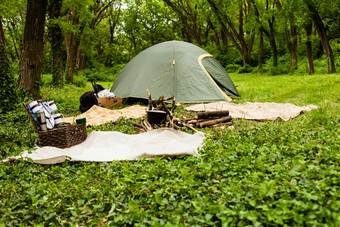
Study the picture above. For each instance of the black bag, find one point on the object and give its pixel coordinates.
(97, 87)
(87, 100)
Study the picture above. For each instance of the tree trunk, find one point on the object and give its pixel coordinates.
(261, 51)
(293, 44)
(320, 28)
(236, 37)
(71, 45)
(11, 33)
(291, 37)
(81, 60)
(32, 50)
(309, 27)
(56, 40)
(269, 34)
(272, 41)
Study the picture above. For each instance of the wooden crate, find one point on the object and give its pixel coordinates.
(108, 102)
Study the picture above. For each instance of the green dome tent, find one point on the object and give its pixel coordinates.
(175, 68)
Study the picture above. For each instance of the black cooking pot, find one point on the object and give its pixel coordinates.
(156, 116)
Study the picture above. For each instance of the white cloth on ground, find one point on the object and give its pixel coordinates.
(106, 146)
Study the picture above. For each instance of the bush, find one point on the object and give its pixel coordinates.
(79, 81)
(245, 69)
(321, 65)
(232, 68)
(46, 79)
(8, 83)
(279, 70)
(102, 73)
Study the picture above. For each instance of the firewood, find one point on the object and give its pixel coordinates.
(156, 102)
(146, 125)
(138, 125)
(214, 121)
(149, 99)
(168, 112)
(212, 114)
(177, 127)
(190, 126)
(173, 104)
(196, 121)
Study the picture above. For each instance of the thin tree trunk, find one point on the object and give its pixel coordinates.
(32, 50)
(272, 41)
(56, 40)
(293, 43)
(13, 40)
(291, 37)
(195, 30)
(261, 51)
(320, 28)
(309, 50)
(269, 34)
(81, 60)
(236, 37)
(71, 48)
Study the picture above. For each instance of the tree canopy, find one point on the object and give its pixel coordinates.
(243, 35)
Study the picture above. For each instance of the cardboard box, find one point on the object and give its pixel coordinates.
(107, 102)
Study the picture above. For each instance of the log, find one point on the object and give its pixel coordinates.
(212, 114)
(214, 121)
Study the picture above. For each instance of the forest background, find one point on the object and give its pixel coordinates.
(77, 41)
(261, 173)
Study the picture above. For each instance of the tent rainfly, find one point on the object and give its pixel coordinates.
(175, 68)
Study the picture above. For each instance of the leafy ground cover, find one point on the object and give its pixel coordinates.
(261, 173)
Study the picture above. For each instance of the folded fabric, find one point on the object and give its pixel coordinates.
(106, 146)
(47, 108)
(255, 111)
(48, 114)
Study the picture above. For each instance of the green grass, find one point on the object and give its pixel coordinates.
(261, 173)
(299, 90)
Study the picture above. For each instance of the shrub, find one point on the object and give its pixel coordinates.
(232, 68)
(46, 79)
(245, 69)
(8, 83)
(102, 73)
(279, 70)
(79, 81)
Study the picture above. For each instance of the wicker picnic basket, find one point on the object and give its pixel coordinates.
(61, 137)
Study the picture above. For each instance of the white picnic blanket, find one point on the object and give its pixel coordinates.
(106, 146)
(255, 111)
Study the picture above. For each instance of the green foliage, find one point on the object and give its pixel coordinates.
(245, 69)
(79, 81)
(8, 84)
(16, 132)
(101, 73)
(261, 173)
(233, 68)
